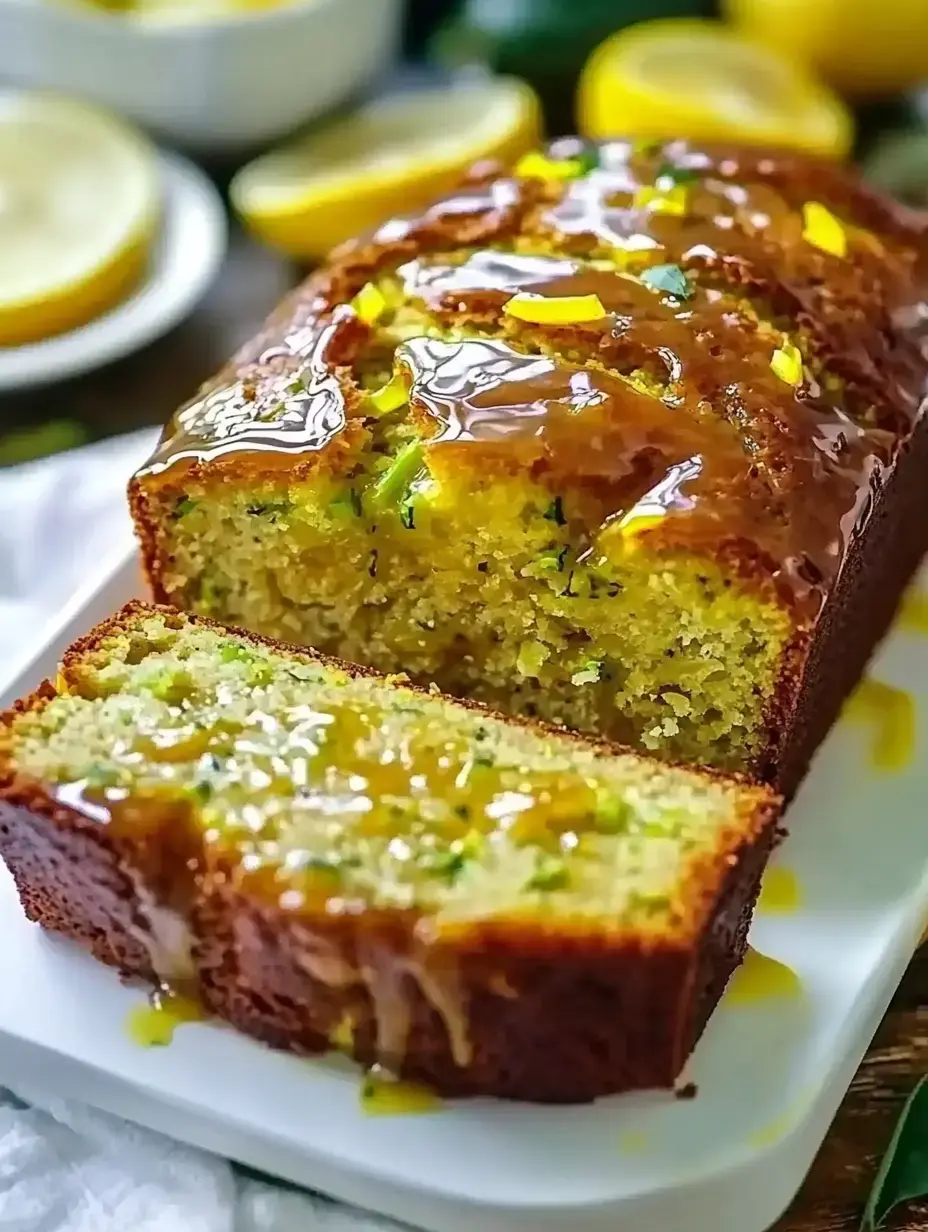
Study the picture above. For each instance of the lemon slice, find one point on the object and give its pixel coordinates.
(79, 203)
(865, 48)
(700, 80)
(392, 157)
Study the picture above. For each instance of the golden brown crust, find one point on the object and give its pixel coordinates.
(550, 1015)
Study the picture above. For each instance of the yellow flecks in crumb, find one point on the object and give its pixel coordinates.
(369, 304)
(61, 685)
(390, 396)
(890, 713)
(913, 614)
(342, 1034)
(760, 978)
(786, 362)
(779, 893)
(633, 1143)
(555, 309)
(823, 230)
(661, 201)
(384, 1096)
(535, 166)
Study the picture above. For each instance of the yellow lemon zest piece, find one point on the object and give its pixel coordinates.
(633, 258)
(823, 230)
(555, 309)
(661, 200)
(535, 166)
(369, 304)
(391, 396)
(786, 362)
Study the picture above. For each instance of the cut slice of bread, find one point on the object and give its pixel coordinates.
(326, 856)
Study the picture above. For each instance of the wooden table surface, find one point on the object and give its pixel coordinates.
(144, 388)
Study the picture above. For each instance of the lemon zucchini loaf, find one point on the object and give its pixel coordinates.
(330, 857)
(629, 438)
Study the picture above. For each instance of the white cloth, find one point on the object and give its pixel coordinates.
(63, 1167)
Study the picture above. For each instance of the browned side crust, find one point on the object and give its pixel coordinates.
(859, 611)
(550, 1016)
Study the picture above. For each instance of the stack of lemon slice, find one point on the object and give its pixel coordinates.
(79, 208)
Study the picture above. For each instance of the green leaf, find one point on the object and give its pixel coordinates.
(903, 1172)
(669, 278)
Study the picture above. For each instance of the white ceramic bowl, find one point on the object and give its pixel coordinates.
(212, 86)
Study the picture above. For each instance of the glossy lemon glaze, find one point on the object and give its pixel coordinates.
(153, 1024)
(760, 979)
(381, 1095)
(780, 892)
(890, 716)
(719, 368)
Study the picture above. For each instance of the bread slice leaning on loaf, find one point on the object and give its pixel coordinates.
(629, 438)
(327, 857)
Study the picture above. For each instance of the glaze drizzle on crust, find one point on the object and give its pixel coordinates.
(742, 395)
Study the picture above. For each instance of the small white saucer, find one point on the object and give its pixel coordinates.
(185, 259)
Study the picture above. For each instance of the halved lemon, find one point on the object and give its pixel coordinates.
(79, 205)
(700, 80)
(392, 157)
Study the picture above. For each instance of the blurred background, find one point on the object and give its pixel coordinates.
(168, 168)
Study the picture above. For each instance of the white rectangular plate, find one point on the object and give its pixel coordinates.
(770, 1073)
